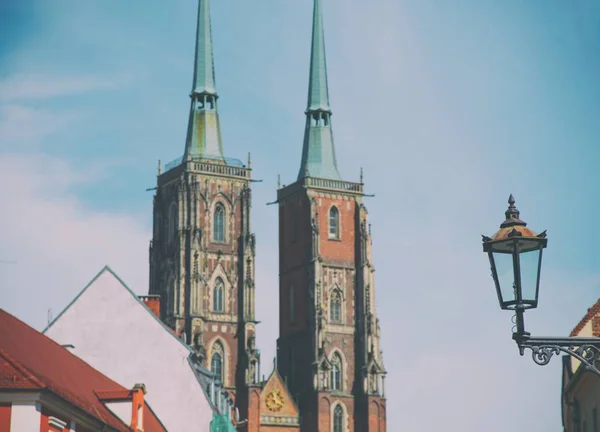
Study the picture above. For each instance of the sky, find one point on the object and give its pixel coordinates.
(448, 106)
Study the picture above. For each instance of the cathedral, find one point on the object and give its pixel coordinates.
(329, 374)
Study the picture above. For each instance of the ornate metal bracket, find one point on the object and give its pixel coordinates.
(584, 349)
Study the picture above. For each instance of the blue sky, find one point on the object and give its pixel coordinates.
(448, 106)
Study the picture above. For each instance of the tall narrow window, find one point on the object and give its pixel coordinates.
(216, 361)
(219, 223)
(335, 307)
(336, 373)
(292, 305)
(334, 223)
(218, 292)
(338, 419)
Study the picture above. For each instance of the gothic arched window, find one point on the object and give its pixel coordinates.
(218, 293)
(335, 307)
(334, 223)
(219, 223)
(216, 361)
(336, 372)
(338, 419)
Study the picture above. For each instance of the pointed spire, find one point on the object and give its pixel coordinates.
(204, 131)
(204, 67)
(318, 91)
(318, 152)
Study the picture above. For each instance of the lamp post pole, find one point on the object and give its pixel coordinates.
(514, 245)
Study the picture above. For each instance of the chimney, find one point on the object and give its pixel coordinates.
(153, 303)
(137, 407)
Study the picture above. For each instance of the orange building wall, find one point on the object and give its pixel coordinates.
(5, 409)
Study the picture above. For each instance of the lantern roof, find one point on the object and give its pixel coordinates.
(513, 226)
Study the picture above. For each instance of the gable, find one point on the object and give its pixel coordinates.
(277, 407)
(112, 330)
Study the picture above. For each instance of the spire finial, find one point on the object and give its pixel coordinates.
(318, 152)
(159, 168)
(249, 160)
(278, 181)
(361, 174)
(512, 215)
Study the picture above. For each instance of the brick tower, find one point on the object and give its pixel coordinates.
(328, 348)
(202, 253)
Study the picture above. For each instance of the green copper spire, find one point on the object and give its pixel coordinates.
(204, 131)
(318, 152)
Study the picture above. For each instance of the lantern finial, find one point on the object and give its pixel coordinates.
(512, 212)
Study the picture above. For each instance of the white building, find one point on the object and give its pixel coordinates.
(110, 328)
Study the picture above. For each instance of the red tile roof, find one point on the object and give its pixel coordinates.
(591, 312)
(30, 360)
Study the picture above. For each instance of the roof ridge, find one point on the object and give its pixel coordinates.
(27, 374)
(69, 353)
(100, 273)
(51, 384)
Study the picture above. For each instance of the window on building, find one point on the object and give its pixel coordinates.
(219, 223)
(218, 293)
(292, 305)
(334, 223)
(216, 361)
(335, 307)
(338, 419)
(336, 373)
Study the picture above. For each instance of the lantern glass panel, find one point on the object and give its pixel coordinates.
(506, 277)
(530, 266)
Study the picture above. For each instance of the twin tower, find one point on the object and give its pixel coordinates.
(329, 374)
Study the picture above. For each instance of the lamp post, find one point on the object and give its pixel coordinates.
(515, 254)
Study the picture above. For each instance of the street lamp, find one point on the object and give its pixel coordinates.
(515, 254)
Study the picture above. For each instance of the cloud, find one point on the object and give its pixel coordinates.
(25, 125)
(38, 86)
(59, 244)
(421, 100)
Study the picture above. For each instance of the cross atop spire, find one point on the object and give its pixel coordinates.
(318, 152)
(204, 131)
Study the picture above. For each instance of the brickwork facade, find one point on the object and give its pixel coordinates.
(328, 349)
(202, 265)
(202, 260)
